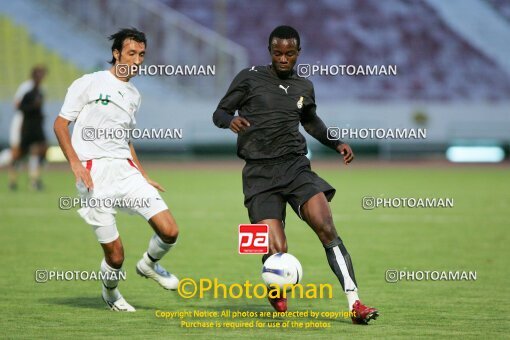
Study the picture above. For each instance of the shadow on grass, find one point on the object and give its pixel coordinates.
(89, 302)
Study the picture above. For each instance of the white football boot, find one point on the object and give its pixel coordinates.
(119, 305)
(148, 269)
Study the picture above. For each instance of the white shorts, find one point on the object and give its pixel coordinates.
(15, 130)
(116, 181)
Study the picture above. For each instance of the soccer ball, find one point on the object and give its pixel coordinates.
(281, 269)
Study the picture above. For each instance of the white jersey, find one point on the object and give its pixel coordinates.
(22, 90)
(101, 104)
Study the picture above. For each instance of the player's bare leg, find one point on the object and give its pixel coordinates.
(13, 167)
(317, 213)
(277, 244)
(277, 239)
(165, 237)
(36, 158)
(165, 226)
(111, 267)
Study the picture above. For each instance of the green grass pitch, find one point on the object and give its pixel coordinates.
(208, 205)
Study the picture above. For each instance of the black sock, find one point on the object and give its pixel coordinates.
(334, 250)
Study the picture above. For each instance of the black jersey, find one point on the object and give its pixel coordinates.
(274, 107)
(32, 128)
(31, 105)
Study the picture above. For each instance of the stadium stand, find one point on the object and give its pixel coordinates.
(502, 7)
(22, 54)
(441, 74)
(434, 62)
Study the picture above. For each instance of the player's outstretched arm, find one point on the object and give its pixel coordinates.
(318, 130)
(61, 128)
(142, 171)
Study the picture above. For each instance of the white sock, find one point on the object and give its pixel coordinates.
(158, 248)
(33, 165)
(352, 296)
(110, 291)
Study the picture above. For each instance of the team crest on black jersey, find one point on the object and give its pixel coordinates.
(300, 102)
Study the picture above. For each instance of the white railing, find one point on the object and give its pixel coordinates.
(173, 39)
(481, 25)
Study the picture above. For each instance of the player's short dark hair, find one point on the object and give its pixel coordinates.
(284, 32)
(38, 68)
(125, 33)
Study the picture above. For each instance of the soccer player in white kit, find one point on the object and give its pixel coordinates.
(108, 168)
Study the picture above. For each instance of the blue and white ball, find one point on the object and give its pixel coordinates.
(281, 269)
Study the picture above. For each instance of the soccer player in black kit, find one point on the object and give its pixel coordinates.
(33, 139)
(271, 102)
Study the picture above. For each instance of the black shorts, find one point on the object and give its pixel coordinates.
(268, 187)
(31, 133)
